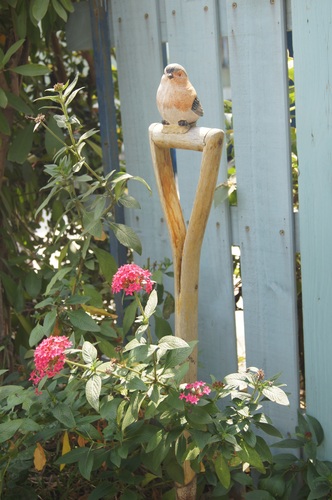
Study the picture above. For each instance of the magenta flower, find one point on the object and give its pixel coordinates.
(193, 392)
(49, 357)
(131, 278)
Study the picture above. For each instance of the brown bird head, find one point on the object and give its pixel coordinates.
(176, 72)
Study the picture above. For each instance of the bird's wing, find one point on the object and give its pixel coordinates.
(197, 107)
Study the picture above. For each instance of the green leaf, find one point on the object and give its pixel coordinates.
(72, 456)
(276, 395)
(177, 356)
(19, 104)
(64, 414)
(317, 428)
(107, 263)
(250, 455)
(151, 304)
(92, 391)
(103, 490)
(37, 333)
(9, 390)
(169, 342)
(21, 145)
(12, 49)
(59, 10)
(9, 428)
(89, 353)
(126, 236)
(31, 70)
(263, 450)
(51, 143)
(269, 429)
(80, 319)
(86, 463)
(192, 452)
(32, 284)
(39, 9)
(4, 125)
(288, 443)
(259, 495)
(3, 99)
(222, 471)
(131, 414)
(136, 384)
(129, 316)
(162, 327)
(155, 440)
(59, 275)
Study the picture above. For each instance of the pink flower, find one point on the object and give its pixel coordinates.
(131, 278)
(194, 391)
(49, 357)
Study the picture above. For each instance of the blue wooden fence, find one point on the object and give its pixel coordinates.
(263, 224)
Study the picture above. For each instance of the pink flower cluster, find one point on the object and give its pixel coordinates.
(131, 278)
(49, 357)
(193, 392)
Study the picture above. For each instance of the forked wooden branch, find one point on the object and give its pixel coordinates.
(186, 243)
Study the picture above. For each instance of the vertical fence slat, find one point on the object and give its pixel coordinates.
(136, 28)
(258, 65)
(194, 41)
(312, 37)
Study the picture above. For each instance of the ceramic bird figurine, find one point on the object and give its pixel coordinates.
(177, 99)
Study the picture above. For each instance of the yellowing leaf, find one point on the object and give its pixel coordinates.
(65, 447)
(39, 457)
(102, 237)
(81, 441)
(98, 311)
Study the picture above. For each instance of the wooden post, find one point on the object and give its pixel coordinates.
(186, 243)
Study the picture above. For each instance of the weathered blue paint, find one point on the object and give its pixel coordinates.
(258, 65)
(312, 36)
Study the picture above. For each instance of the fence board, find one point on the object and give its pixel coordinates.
(261, 131)
(312, 35)
(193, 35)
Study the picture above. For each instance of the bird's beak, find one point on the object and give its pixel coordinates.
(170, 76)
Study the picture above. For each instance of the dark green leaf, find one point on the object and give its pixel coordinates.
(18, 104)
(288, 443)
(317, 428)
(126, 236)
(64, 414)
(103, 490)
(72, 456)
(21, 145)
(162, 327)
(129, 316)
(8, 429)
(259, 495)
(4, 125)
(32, 284)
(107, 264)
(80, 319)
(31, 70)
(51, 143)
